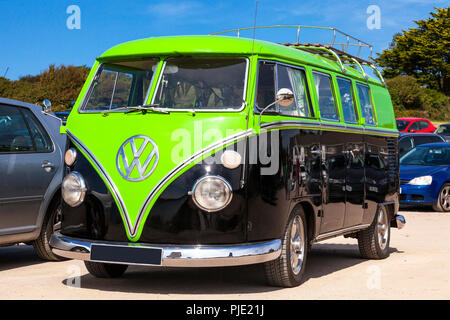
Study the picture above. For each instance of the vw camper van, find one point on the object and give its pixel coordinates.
(216, 150)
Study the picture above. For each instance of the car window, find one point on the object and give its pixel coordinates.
(414, 126)
(266, 85)
(295, 80)
(404, 145)
(348, 107)
(423, 125)
(402, 124)
(42, 141)
(366, 104)
(445, 130)
(418, 140)
(14, 134)
(325, 97)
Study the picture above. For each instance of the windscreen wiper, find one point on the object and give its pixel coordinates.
(144, 109)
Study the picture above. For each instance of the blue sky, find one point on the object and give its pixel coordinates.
(34, 32)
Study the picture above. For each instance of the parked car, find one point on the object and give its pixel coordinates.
(63, 116)
(135, 175)
(31, 170)
(408, 141)
(425, 176)
(444, 131)
(415, 125)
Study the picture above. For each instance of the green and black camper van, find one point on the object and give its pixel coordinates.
(216, 150)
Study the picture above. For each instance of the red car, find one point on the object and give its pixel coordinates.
(415, 125)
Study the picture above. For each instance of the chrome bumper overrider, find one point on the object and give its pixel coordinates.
(401, 221)
(179, 255)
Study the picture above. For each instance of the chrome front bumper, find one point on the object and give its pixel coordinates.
(178, 255)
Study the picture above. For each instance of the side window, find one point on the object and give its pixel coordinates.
(14, 134)
(366, 104)
(295, 80)
(325, 97)
(41, 139)
(404, 145)
(423, 125)
(348, 106)
(418, 140)
(414, 126)
(266, 85)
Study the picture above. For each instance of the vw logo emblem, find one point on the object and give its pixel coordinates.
(144, 156)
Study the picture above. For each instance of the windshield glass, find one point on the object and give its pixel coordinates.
(445, 130)
(402, 124)
(122, 84)
(427, 156)
(202, 83)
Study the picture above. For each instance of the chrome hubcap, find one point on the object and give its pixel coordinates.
(383, 229)
(297, 250)
(445, 198)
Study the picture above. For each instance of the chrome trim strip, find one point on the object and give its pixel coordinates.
(105, 175)
(340, 232)
(132, 229)
(180, 255)
(322, 126)
(21, 199)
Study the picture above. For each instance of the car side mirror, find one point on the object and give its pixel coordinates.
(46, 106)
(412, 130)
(285, 97)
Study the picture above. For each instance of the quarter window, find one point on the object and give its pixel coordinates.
(40, 137)
(325, 97)
(366, 104)
(295, 80)
(346, 93)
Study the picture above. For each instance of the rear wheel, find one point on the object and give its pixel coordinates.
(105, 270)
(443, 202)
(374, 241)
(288, 269)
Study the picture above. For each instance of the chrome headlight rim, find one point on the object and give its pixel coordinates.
(70, 157)
(82, 190)
(224, 181)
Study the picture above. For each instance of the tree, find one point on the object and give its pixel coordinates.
(422, 52)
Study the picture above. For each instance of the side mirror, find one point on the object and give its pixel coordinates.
(412, 130)
(47, 106)
(285, 97)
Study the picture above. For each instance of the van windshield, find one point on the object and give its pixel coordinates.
(121, 84)
(202, 83)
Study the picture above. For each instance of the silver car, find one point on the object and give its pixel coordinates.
(31, 169)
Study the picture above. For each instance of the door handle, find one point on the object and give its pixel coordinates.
(47, 166)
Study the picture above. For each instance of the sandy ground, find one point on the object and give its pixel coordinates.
(418, 268)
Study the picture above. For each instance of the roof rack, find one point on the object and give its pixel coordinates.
(327, 49)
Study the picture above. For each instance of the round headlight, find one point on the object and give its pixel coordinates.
(73, 189)
(231, 159)
(70, 157)
(212, 193)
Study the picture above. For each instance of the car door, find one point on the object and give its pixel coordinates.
(27, 163)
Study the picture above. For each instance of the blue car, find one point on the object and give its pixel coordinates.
(425, 176)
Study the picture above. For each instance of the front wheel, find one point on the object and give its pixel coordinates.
(288, 269)
(374, 241)
(105, 270)
(443, 202)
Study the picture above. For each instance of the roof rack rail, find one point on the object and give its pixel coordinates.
(327, 49)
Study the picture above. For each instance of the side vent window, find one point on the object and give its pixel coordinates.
(266, 85)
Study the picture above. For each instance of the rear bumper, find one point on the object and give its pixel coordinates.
(178, 255)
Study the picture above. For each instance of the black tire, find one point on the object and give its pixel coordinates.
(52, 222)
(443, 202)
(280, 272)
(374, 241)
(105, 270)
